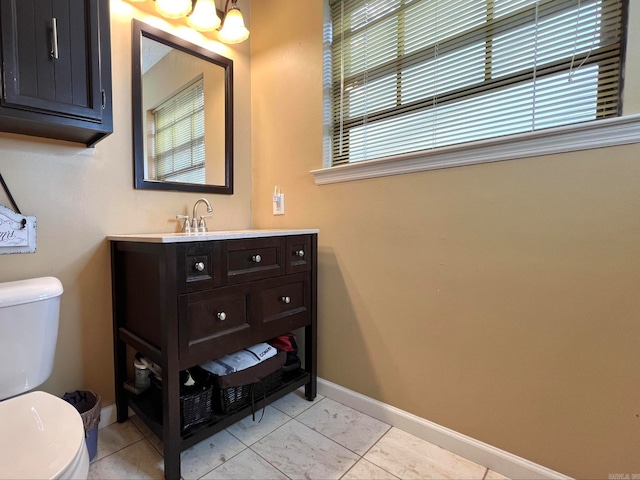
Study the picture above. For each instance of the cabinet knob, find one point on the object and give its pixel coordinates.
(222, 316)
(199, 266)
(285, 299)
(256, 258)
(300, 253)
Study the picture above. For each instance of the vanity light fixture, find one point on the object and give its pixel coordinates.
(174, 8)
(233, 29)
(204, 16)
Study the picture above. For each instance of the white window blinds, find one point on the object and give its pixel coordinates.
(178, 137)
(411, 75)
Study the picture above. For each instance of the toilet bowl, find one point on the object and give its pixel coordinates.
(41, 435)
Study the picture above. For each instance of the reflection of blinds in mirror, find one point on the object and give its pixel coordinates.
(178, 153)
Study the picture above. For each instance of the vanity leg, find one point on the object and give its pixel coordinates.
(122, 406)
(171, 465)
(119, 347)
(171, 437)
(311, 388)
(311, 331)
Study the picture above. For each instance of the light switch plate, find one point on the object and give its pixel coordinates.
(278, 204)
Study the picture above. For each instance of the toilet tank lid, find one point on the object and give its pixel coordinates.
(30, 290)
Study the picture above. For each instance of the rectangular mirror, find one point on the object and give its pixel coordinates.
(182, 97)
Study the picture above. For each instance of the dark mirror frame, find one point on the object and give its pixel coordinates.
(140, 30)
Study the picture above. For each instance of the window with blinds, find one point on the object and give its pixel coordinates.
(177, 137)
(412, 75)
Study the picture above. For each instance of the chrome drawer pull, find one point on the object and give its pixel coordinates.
(199, 266)
(256, 258)
(54, 53)
(285, 299)
(222, 316)
(300, 253)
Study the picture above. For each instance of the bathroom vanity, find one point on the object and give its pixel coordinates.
(181, 300)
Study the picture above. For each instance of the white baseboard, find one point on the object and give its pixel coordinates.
(498, 460)
(108, 415)
(482, 453)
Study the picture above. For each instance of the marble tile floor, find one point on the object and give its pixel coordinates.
(296, 439)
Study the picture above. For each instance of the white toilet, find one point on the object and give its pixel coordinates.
(41, 435)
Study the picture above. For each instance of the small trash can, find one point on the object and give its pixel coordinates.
(88, 404)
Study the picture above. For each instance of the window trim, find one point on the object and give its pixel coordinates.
(608, 132)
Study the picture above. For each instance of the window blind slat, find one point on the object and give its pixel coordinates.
(178, 141)
(417, 74)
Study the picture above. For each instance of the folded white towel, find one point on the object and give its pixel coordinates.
(240, 360)
(263, 351)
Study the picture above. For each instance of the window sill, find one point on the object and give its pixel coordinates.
(570, 138)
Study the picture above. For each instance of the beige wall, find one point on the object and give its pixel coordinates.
(499, 300)
(81, 195)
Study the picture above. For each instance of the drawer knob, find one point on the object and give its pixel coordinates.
(199, 266)
(300, 253)
(222, 316)
(285, 299)
(256, 258)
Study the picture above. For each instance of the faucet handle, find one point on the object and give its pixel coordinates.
(203, 225)
(186, 227)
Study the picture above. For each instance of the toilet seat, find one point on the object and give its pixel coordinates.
(42, 436)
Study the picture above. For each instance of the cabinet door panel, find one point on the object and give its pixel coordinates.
(199, 266)
(298, 253)
(65, 94)
(213, 323)
(281, 304)
(68, 84)
(255, 259)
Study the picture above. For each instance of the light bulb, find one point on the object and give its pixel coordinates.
(173, 8)
(233, 29)
(204, 16)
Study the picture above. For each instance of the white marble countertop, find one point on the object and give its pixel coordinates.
(213, 235)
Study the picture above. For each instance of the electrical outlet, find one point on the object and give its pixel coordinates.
(278, 204)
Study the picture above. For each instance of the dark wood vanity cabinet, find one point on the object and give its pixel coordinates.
(182, 304)
(56, 69)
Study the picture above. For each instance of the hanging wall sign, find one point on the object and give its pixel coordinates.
(17, 232)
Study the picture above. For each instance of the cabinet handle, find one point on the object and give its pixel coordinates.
(300, 253)
(256, 258)
(222, 316)
(199, 266)
(54, 39)
(285, 299)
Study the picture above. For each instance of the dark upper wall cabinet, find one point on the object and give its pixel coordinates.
(56, 69)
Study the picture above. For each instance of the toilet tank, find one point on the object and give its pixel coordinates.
(29, 312)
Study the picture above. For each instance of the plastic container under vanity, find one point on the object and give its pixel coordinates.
(89, 405)
(142, 379)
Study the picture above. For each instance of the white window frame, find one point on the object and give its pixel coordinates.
(609, 132)
(569, 138)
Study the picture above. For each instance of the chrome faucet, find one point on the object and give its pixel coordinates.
(200, 226)
(192, 225)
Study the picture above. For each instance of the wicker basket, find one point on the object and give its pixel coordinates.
(196, 407)
(237, 390)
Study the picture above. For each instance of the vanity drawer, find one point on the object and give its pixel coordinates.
(298, 253)
(282, 304)
(213, 323)
(255, 259)
(198, 266)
